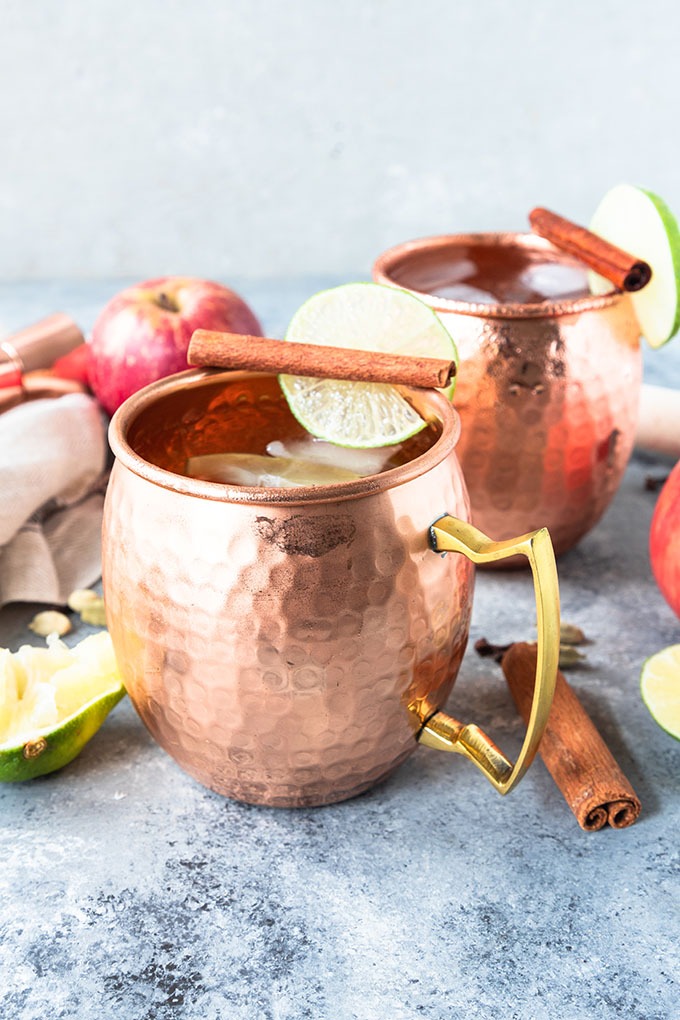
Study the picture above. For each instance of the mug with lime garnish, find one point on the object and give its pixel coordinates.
(284, 619)
(550, 360)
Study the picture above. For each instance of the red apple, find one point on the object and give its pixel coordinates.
(75, 365)
(664, 540)
(143, 333)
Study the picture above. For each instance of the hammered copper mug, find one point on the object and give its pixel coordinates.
(292, 647)
(547, 391)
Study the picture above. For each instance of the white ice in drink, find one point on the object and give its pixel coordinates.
(551, 281)
(287, 465)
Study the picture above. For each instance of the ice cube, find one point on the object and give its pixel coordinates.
(549, 281)
(466, 292)
(318, 451)
(255, 469)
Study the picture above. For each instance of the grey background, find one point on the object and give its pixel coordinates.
(250, 138)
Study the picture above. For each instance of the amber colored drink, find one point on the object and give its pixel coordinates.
(491, 275)
(247, 417)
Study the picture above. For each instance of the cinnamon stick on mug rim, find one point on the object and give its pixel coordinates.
(623, 270)
(211, 349)
(574, 752)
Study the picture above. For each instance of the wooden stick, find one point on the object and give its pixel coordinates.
(235, 350)
(658, 427)
(625, 271)
(575, 754)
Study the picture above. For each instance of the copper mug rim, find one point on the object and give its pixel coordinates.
(390, 260)
(435, 405)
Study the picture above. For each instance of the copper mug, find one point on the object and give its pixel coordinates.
(292, 647)
(547, 392)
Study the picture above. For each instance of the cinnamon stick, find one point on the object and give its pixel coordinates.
(235, 350)
(575, 754)
(623, 270)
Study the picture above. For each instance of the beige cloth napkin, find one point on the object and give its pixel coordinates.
(52, 482)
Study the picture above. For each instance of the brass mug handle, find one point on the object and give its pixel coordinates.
(447, 734)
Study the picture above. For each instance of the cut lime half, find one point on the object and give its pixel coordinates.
(660, 688)
(367, 317)
(52, 701)
(642, 224)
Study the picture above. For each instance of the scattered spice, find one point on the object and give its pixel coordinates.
(81, 598)
(571, 635)
(489, 651)
(570, 656)
(89, 605)
(94, 613)
(50, 622)
(655, 482)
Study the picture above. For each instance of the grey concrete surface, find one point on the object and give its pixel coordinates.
(257, 137)
(129, 891)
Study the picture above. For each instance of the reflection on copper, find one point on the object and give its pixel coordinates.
(275, 641)
(37, 386)
(547, 392)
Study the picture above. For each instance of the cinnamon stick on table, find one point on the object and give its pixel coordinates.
(575, 754)
(623, 270)
(235, 350)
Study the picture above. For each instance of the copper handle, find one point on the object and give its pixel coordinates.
(445, 733)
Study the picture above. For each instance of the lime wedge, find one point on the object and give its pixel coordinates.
(368, 317)
(642, 224)
(660, 688)
(52, 701)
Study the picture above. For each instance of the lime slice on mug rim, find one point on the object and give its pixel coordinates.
(367, 317)
(640, 222)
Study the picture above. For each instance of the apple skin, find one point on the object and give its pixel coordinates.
(664, 540)
(75, 365)
(143, 333)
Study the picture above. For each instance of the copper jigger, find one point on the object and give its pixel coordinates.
(292, 647)
(36, 347)
(26, 355)
(547, 392)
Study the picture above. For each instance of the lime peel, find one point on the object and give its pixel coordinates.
(660, 688)
(52, 701)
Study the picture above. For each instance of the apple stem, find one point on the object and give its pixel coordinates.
(165, 302)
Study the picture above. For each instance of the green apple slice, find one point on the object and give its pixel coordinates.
(642, 224)
(660, 688)
(368, 317)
